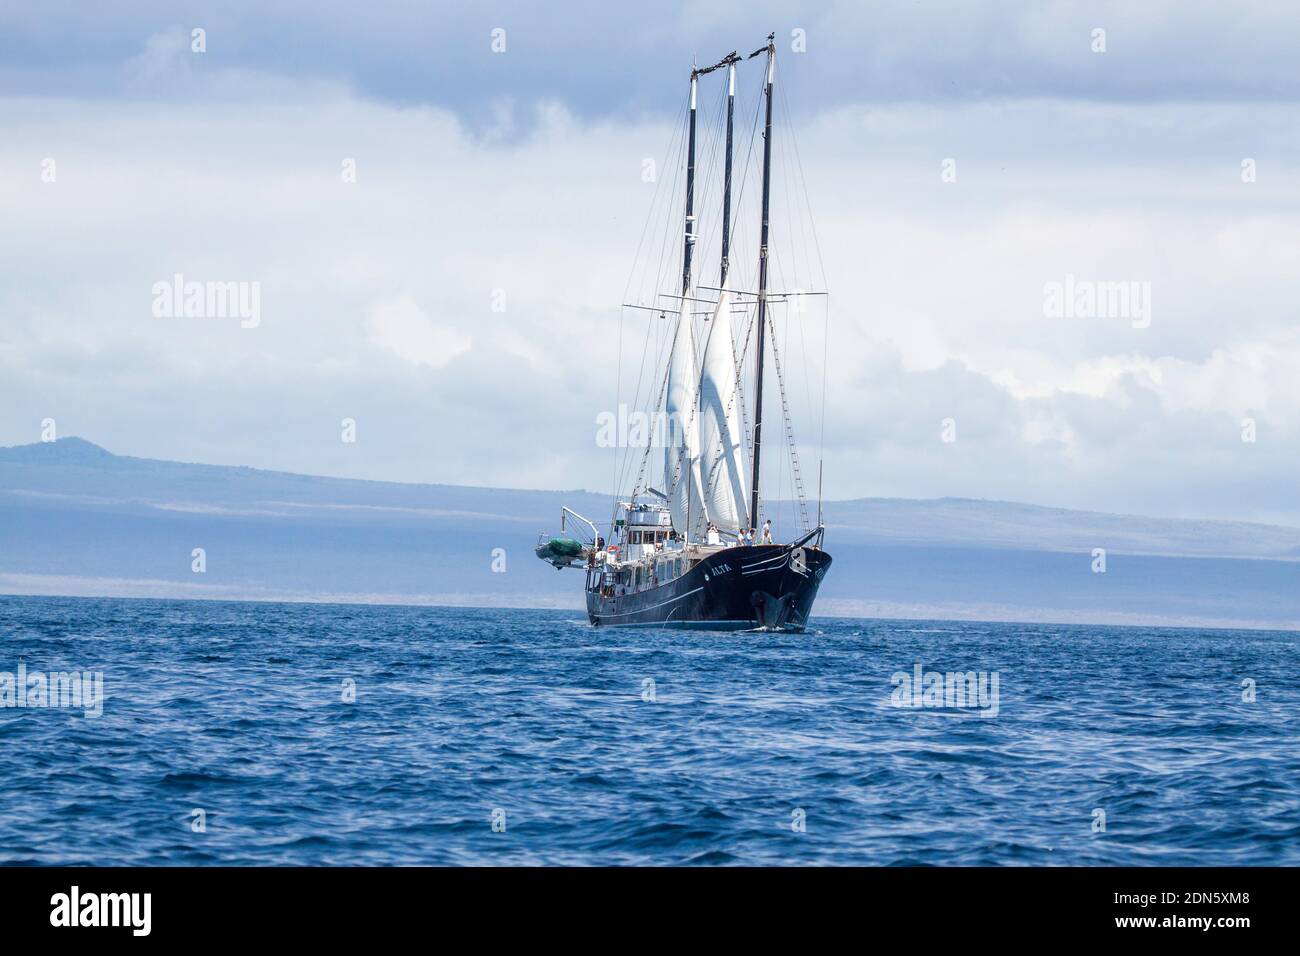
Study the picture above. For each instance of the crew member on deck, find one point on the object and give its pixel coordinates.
(767, 531)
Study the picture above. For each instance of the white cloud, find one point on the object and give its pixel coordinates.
(937, 306)
(403, 328)
(164, 58)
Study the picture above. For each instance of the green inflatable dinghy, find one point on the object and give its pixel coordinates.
(559, 551)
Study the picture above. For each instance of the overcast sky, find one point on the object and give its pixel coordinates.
(521, 172)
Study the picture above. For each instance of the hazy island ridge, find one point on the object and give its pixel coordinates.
(76, 519)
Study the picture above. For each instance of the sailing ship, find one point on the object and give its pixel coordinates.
(700, 551)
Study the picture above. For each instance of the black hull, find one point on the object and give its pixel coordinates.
(767, 586)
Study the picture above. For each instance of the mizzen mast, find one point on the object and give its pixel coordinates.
(770, 49)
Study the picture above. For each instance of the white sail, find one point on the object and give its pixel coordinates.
(682, 458)
(721, 441)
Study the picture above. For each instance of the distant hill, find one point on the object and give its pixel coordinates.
(65, 451)
(1012, 525)
(75, 518)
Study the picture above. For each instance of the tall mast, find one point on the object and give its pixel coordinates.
(689, 243)
(688, 246)
(726, 175)
(762, 275)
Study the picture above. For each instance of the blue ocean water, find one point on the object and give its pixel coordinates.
(547, 726)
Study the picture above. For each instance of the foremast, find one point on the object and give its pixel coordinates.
(688, 245)
(687, 450)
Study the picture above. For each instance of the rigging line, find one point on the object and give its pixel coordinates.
(796, 479)
(777, 346)
(664, 263)
(749, 153)
(821, 263)
(762, 103)
(645, 455)
(654, 201)
(798, 230)
(649, 337)
(792, 315)
(821, 436)
(712, 143)
(690, 421)
(675, 452)
(741, 218)
(739, 399)
(717, 141)
(744, 354)
(667, 258)
(623, 462)
(796, 475)
(786, 433)
(714, 140)
(717, 159)
(786, 416)
(803, 181)
(739, 266)
(797, 226)
(711, 160)
(650, 218)
(737, 226)
(670, 230)
(788, 233)
(663, 231)
(669, 233)
(723, 100)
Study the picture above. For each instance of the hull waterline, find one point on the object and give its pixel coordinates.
(762, 586)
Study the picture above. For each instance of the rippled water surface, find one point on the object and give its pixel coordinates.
(239, 710)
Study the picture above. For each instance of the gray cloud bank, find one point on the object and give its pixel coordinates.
(520, 173)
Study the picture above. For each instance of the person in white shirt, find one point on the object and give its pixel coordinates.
(711, 535)
(767, 531)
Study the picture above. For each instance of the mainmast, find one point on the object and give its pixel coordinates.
(762, 271)
(726, 175)
(688, 246)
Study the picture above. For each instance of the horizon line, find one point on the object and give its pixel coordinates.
(78, 440)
